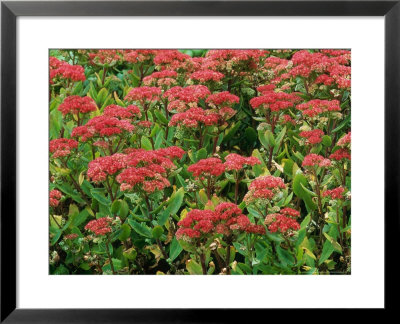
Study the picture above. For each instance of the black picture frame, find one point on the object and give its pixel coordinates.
(10, 10)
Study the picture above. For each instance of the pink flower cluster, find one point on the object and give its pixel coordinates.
(263, 188)
(61, 147)
(116, 111)
(226, 219)
(55, 197)
(237, 162)
(164, 79)
(315, 160)
(173, 60)
(76, 105)
(313, 136)
(316, 107)
(284, 221)
(135, 56)
(181, 99)
(102, 126)
(205, 76)
(275, 101)
(104, 56)
(345, 141)
(65, 71)
(340, 154)
(147, 170)
(207, 167)
(336, 193)
(101, 167)
(194, 117)
(144, 95)
(100, 226)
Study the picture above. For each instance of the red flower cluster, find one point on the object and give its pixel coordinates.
(72, 236)
(267, 88)
(316, 107)
(100, 226)
(230, 217)
(148, 169)
(101, 167)
(286, 119)
(193, 117)
(147, 178)
(237, 162)
(232, 60)
(340, 154)
(161, 158)
(222, 99)
(345, 140)
(102, 126)
(275, 101)
(181, 99)
(336, 193)
(206, 76)
(164, 79)
(315, 160)
(263, 188)
(144, 95)
(121, 112)
(172, 60)
(226, 218)
(207, 167)
(55, 197)
(280, 222)
(276, 65)
(63, 70)
(196, 223)
(76, 105)
(103, 57)
(290, 212)
(135, 56)
(61, 147)
(313, 136)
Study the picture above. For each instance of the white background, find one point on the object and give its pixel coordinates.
(363, 288)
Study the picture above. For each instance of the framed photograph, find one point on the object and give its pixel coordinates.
(163, 157)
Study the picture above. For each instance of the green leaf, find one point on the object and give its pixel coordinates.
(327, 140)
(56, 232)
(140, 228)
(187, 246)
(123, 209)
(327, 250)
(98, 194)
(61, 270)
(125, 232)
(115, 206)
(145, 143)
(160, 117)
(284, 256)
(201, 154)
(299, 182)
(343, 124)
(101, 96)
(193, 267)
(175, 249)
(266, 138)
(157, 231)
(336, 246)
(174, 203)
(279, 139)
(80, 218)
(232, 131)
(251, 135)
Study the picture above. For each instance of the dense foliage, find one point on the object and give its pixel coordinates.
(200, 162)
